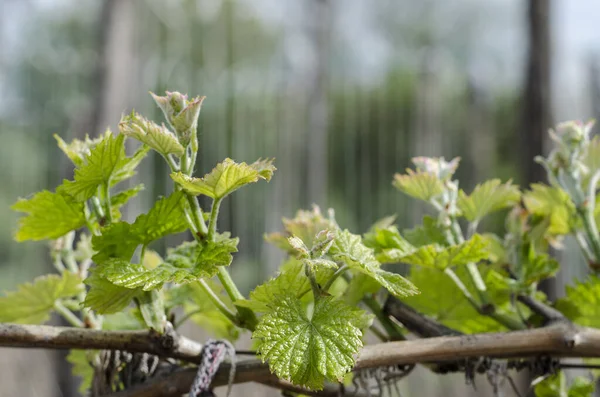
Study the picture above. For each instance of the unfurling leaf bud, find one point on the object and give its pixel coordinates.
(181, 113)
(158, 137)
(437, 166)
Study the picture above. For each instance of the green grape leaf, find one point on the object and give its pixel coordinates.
(582, 302)
(430, 232)
(151, 306)
(123, 197)
(348, 248)
(187, 263)
(444, 302)
(49, 216)
(82, 368)
(32, 302)
(420, 185)
(552, 203)
(538, 268)
(100, 165)
(225, 178)
(359, 286)
(389, 246)
(166, 217)
(435, 256)
(291, 281)
(77, 150)
(116, 241)
(155, 136)
(105, 297)
(486, 198)
(556, 386)
(306, 350)
(265, 168)
(126, 168)
(120, 239)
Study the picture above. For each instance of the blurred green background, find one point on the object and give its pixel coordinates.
(342, 92)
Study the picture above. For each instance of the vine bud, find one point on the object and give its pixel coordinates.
(437, 166)
(181, 113)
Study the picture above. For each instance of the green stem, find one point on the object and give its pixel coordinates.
(392, 329)
(106, 192)
(591, 230)
(186, 317)
(506, 320)
(197, 215)
(313, 282)
(472, 269)
(335, 276)
(68, 315)
(143, 253)
(214, 215)
(214, 298)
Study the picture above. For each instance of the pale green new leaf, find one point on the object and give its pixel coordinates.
(82, 368)
(105, 297)
(388, 245)
(32, 302)
(430, 232)
(225, 178)
(100, 165)
(552, 203)
(127, 166)
(197, 303)
(486, 198)
(77, 150)
(152, 309)
(121, 198)
(557, 386)
(307, 350)
(155, 136)
(582, 302)
(348, 248)
(438, 257)
(49, 216)
(265, 168)
(441, 299)
(420, 185)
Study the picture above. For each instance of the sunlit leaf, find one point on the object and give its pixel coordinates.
(420, 185)
(486, 198)
(157, 137)
(430, 232)
(225, 178)
(552, 203)
(32, 303)
(438, 257)
(348, 248)
(306, 350)
(98, 168)
(49, 216)
(582, 302)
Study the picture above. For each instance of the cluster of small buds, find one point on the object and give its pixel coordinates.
(181, 113)
(437, 166)
(565, 164)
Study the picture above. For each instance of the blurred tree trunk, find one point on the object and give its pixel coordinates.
(537, 105)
